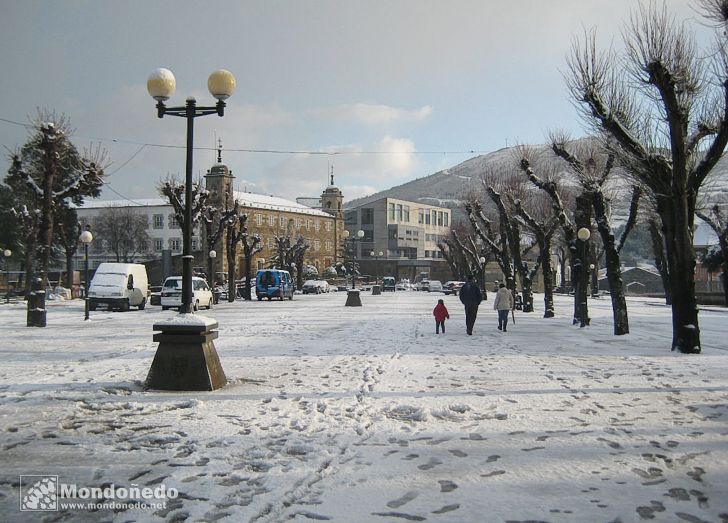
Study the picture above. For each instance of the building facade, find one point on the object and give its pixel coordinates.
(405, 233)
(268, 216)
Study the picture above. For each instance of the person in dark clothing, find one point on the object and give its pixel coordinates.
(470, 296)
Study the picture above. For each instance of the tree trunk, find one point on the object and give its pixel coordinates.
(230, 251)
(247, 295)
(548, 279)
(658, 250)
(69, 269)
(681, 269)
(614, 271)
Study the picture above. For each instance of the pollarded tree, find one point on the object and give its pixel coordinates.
(664, 112)
(55, 173)
(174, 191)
(593, 170)
(68, 230)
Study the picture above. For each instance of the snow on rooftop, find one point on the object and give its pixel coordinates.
(260, 201)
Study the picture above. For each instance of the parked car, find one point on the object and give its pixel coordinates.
(324, 285)
(423, 285)
(312, 287)
(389, 283)
(172, 293)
(452, 287)
(155, 295)
(119, 286)
(403, 285)
(273, 283)
(435, 286)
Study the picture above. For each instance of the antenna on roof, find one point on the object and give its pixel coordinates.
(332, 175)
(219, 150)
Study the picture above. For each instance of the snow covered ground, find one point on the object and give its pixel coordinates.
(364, 415)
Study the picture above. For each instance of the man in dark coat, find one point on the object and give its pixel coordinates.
(471, 297)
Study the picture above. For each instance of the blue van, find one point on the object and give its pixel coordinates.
(273, 283)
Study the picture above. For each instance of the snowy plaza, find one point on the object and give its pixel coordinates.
(361, 414)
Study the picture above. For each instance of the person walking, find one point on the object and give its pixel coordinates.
(503, 304)
(471, 297)
(440, 313)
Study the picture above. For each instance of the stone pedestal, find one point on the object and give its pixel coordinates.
(376, 289)
(352, 298)
(186, 358)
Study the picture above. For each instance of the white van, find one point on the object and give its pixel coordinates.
(119, 286)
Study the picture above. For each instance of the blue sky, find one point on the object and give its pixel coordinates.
(386, 85)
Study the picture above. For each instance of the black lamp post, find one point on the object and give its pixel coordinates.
(377, 257)
(359, 236)
(161, 85)
(186, 358)
(86, 238)
(582, 276)
(7, 253)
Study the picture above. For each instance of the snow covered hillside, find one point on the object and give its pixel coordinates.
(352, 414)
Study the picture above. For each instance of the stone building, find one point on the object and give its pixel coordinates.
(268, 216)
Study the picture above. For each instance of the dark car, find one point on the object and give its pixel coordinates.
(452, 287)
(389, 284)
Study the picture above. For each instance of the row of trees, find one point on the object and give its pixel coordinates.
(658, 112)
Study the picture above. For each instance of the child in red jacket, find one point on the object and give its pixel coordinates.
(440, 313)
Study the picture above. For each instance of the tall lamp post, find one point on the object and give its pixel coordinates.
(7, 253)
(161, 84)
(359, 235)
(186, 358)
(485, 283)
(377, 256)
(86, 238)
(582, 275)
(211, 268)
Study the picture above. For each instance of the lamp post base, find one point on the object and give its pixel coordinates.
(352, 298)
(186, 358)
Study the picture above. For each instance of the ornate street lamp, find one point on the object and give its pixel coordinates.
(185, 343)
(161, 84)
(86, 238)
(7, 253)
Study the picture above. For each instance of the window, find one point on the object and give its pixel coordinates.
(405, 213)
(392, 233)
(271, 242)
(434, 217)
(446, 218)
(271, 220)
(420, 216)
(328, 245)
(259, 219)
(158, 221)
(172, 222)
(317, 225)
(391, 212)
(399, 212)
(261, 264)
(367, 216)
(327, 226)
(308, 225)
(316, 245)
(158, 244)
(282, 221)
(427, 217)
(439, 218)
(299, 222)
(175, 244)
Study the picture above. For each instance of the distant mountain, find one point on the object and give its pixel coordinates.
(448, 188)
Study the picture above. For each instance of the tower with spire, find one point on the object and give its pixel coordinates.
(219, 182)
(332, 200)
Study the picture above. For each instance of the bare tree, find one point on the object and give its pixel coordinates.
(68, 229)
(592, 168)
(666, 115)
(124, 231)
(174, 191)
(252, 244)
(543, 223)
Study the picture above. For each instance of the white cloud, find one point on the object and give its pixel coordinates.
(373, 114)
